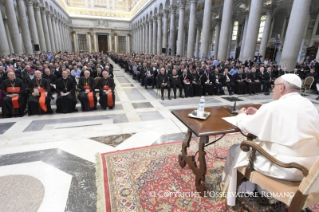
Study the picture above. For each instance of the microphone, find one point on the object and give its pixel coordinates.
(234, 110)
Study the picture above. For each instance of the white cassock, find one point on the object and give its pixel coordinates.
(288, 129)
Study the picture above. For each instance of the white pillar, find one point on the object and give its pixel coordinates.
(8, 35)
(45, 28)
(197, 41)
(50, 28)
(32, 25)
(24, 26)
(296, 26)
(54, 33)
(95, 40)
(206, 27)
(159, 34)
(230, 39)
(180, 34)
(191, 29)
(150, 36)
(165, 28)
(89, 42)
(4, 45)
(224, 32)
(116, 40)
(172, 30)
(154, 48)
(74, 42)
(110, 42)
(38, 20)
(252, 29)
(243, 39)
(128, 43)
(58, 34)
(217, 32)
(147, 37)
(266, 32)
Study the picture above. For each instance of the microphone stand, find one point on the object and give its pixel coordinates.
(234, 110)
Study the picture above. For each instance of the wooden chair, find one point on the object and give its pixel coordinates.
(307, 85)
(306, 192)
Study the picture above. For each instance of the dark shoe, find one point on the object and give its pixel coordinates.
(162, 98)
(174, 96)
(169, 98)
(231, 93)
(152, 87)
(145, 87)
(317, 98)
(181, 96)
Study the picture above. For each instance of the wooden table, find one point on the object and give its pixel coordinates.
(213, 125)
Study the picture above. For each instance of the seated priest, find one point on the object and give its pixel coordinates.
(264, 79)
(207, 82)
(175, 82)
(187, 80)
(65, 87)
(149, 77)
(253, 76)
(51, 78)
(197, 87)
(239, 79)
(250, 84)
(106, 86)
(227, 81)
(218, 82)
(13, 98)
(87, 94)
(163, 82)
(39, 101)
(273, 124)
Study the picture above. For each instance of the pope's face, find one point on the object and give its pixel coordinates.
(278, 89)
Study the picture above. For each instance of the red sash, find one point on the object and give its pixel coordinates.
(109, 96)
(15, 100)
(90, 96)
(42, 104)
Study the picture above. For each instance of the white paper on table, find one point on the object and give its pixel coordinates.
(231, 120)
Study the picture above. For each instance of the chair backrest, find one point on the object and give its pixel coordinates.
(310, 184)
(308, 81)
(97, 79)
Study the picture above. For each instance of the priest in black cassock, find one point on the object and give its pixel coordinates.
(197, 87)
(39, 101)
(175, 82)
(13, 98)
(227, 80)
(207, 82)
(239, 79)
(163, 82)
(87, 94)
(66, 101)
(51, 78)
(218, 83)
(253, 76)
(106, 86)
(187, 80)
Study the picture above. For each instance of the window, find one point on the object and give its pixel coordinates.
(122, 44)
(261, 27)
(235, 31)
(82, 42)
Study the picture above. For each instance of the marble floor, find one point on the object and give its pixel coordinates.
(59, 149)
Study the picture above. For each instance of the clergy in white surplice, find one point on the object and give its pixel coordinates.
(287, 128)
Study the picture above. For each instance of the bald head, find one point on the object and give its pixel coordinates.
(38, 74)
(87, 74)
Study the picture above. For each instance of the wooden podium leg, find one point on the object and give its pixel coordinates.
(201, 171)
(182, 157)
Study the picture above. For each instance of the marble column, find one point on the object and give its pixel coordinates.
(13, 27)
(62, 35)
(296, 27)
(191, 29)
(159, 34)
(54, 33)
(172, 30)
(38, 20)
(217, 32)
(58, 33)
(180, 34)
(116, 40)
(24, 27)
(89, 42)
(317, 55)
(253, 29)
(224, 32)
(50, 28)
(128, 43)
(110, 42)
(154, 47)
(150, 36)
(5, 22)
(4, 45)
(146, 37)
(74, 42)
(33, 25)
(266, 32)
(243, 39)
(165, 28)
(206, 26)
(197, 42)
(65, 37)
(96, 45)
(45, 29)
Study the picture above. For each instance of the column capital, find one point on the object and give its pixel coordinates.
(193, 1)
(150, 21)
(218, 21)
(182, 4)
(270, 9)
(36, 6)
(43, 10)
(160, 15)
(166, 12)
(173, 9)
(27, 2)
(48, 13)
(154, 17)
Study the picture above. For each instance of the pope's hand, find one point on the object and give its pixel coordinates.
(243, 110)
(251, 111)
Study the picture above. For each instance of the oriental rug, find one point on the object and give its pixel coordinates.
(150, 179)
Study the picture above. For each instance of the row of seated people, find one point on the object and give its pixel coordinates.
(211, 82)
(37, 94)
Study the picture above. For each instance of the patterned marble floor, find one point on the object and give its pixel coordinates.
(63, 146)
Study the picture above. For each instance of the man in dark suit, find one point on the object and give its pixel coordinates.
(187, 80)
(227, 81)
(163, 82)
(207, 82)
(149, 77)
(217, 82)
(264, 79)
(175, 82)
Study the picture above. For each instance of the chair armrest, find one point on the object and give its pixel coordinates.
(246, 145)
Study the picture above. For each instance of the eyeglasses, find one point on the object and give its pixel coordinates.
(278, 84)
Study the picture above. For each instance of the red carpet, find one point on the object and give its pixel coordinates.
(150, 179)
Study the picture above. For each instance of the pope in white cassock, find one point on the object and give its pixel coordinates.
(287, 128)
